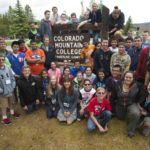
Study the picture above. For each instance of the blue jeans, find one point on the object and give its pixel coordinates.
(51, 113)
(103, 119)
(31, 108)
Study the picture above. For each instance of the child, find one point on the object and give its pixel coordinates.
(28, 90)
(7, 85)
(100, 112)
(42, 85)
(52, 106)
(100, 79)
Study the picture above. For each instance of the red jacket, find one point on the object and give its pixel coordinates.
(141, 68)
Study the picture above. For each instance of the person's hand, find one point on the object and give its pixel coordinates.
(65, 114)
(101, 129)
(68, 114)
(25, 107)
(143, 112)
(37, 101)
(82, 111)
(96, 24)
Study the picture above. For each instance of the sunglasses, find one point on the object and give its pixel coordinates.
(2, 59)
(87, 84)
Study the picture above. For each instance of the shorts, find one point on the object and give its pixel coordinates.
(6, 101)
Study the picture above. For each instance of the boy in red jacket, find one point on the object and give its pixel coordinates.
(100, 112)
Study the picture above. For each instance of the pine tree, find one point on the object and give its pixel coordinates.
(28, 13)
(128, 26)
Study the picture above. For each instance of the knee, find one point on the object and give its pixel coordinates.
(107, 113)
(90, 126)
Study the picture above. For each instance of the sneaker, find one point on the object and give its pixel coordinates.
(6, 121)
(131, 134)
(16, 115)
(146, 132)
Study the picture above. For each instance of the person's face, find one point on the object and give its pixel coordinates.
(77, 65)
(137, 43)
(2, 61)
(55, 10)
(115, 15)
(53, 65)
(79, 76)
(88, 71)
(26, 72)
(34, 46)
(33, 26)
(130, 34)
(86, 15)
(22, 46)
(128, 79)
(101, 75)
(129, 43)
(114, 44)
(121, 49)
(105, 44)
(148, 88)
(87, 86)
(67, 72)
(85, 44)
(44, 74)
(116, 72)
(2, 45)
(67, 84)
(74, 18)
(98, 46)
(65, 63)
(63, 17)
(47, 15)
(53, 80)
(94, 7)
(101, 94)
(15, 48)
(46, 41)
(145, 36)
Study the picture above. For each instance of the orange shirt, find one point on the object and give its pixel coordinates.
(35, 67)
(86, 54)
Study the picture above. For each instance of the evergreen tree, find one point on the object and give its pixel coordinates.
(28, 13)
(128, 26)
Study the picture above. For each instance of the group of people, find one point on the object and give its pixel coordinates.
(112, 79)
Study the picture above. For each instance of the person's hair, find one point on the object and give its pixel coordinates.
(54, 8)
(63, 90)
(85, 80)
(121, 43)
(63, 14)
(138, 37)
(73, 14)
(46, 11)
(25, 67)
(21, 41)
(14, 43)
(116, 10)
(100, 88)
(101, 70)
(117, 66)
(88, 67)
(41, 73)
(49, 89)
(65, 69)
(129, 39)
(33, 41)
(145, 31)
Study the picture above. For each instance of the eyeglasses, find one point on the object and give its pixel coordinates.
(87, 84)
(100, 93)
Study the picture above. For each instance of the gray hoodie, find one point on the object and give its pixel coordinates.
(7, 82)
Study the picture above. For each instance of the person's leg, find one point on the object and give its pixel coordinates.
(146, 129)
(49, 112)
(91, 125)
(61, 117)
(104, 118)
(134, 115)
(120, 112)
(72, 117)
(31, 108)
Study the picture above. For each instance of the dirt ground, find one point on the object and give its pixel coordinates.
(36, 132)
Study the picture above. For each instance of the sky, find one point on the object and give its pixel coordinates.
(137, 9)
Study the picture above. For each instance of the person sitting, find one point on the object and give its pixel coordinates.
(63, 19)
(100, 112)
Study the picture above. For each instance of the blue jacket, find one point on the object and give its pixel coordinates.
(74, 70)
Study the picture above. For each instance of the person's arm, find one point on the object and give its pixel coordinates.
(128, 63)
(59, 97)
(121, 21)
(42, 29)
(20, 89)
(12, 78)
(112, 62)
(82, 8)
(76, 97)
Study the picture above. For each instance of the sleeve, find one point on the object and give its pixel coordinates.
(59, 97)
(80, 96)
(121, 21)
(96, 62)
(13, 81)
(108, 106)
(42, 29)
(99, 16)
(128, 64)
(76, 97)
(112, 61)
(27, 54)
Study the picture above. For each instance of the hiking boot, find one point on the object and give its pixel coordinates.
(146, 132)
(131, 134)
(16, 115)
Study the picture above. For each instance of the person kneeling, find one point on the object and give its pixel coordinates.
(100, 112)
(28, 90)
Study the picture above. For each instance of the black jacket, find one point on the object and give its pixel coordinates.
(95, 16)
(28, 90)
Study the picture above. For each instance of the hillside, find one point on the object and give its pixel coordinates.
(143, 26)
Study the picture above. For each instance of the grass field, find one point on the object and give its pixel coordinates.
(36, 132)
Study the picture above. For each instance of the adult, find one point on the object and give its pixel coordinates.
(55, 16)
(102, 58)
(127, 95)
(63, 19)
(116, 21)
(35, 59)
(45, 25)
